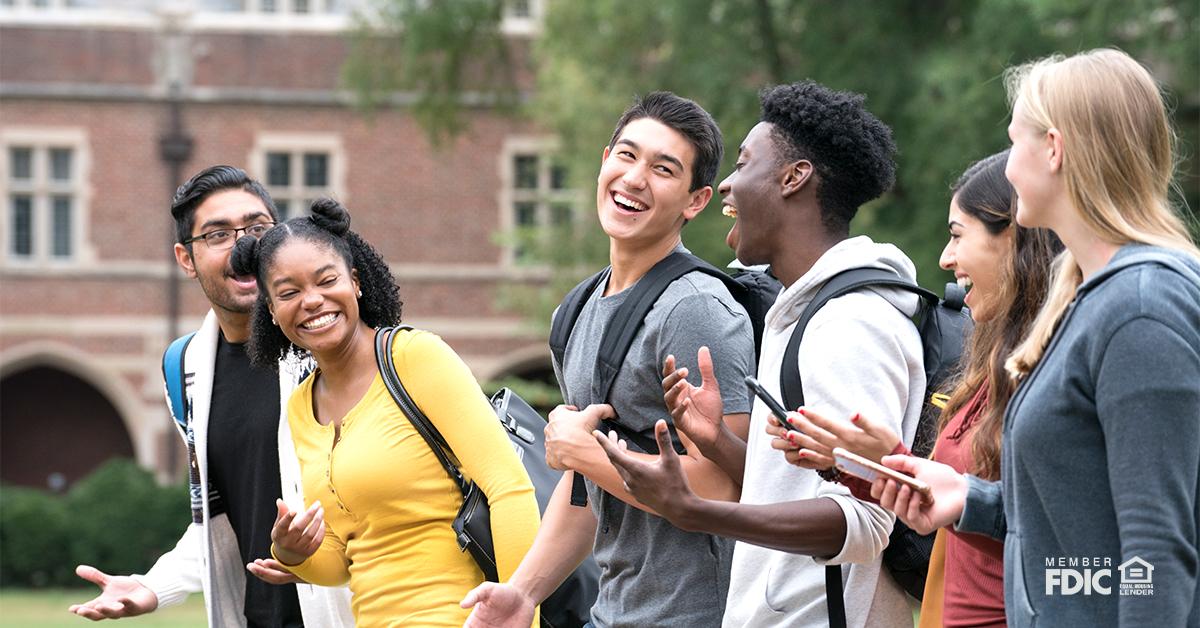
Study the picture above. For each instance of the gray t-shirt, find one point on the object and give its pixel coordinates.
(652, 573)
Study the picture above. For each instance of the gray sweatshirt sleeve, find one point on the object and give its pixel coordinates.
(1148, 403)
(983, 512)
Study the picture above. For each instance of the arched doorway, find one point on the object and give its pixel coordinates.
(55, 428)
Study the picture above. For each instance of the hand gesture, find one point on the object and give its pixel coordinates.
(120, 596)
(569, 429)
(697, 411)
(811, 441)
(949, 493)
(296, 537)
(498, 606)
(271, 571)
(661, 485)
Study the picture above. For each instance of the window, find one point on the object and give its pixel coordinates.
(278, 7)
(43, 183)
(522, 17)
(535, 197)
(298, 169)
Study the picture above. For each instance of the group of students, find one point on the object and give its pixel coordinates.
(1072, 429)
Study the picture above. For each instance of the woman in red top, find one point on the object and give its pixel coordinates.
(1006, 269)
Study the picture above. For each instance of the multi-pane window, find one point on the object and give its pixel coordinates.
(295, 177)
(278, 7)
(42, 183)
(537, 197)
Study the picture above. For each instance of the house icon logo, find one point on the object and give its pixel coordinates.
(1137, 577)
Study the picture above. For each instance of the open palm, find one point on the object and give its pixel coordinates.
(697, 410)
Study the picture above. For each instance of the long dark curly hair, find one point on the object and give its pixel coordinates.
(329, 225)
(984, 193)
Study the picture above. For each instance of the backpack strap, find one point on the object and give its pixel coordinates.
(792, 389)
(173, 376)
(619, 334)
(568, 313)
(790, 385)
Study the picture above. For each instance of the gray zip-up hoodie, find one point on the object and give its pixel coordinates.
(1100, 466)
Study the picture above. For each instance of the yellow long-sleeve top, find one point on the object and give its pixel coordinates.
(389, 503)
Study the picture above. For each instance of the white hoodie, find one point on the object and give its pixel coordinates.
(860, 353)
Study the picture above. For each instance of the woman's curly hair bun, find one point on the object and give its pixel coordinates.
(329, 215)
(244, 258)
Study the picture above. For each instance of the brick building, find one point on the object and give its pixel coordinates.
(93, 94)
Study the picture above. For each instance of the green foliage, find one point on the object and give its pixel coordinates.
(117, 519)
(931, 69)
(33, 539)
(447, 55)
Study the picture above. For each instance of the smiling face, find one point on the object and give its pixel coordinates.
(228, 209)
(313, 296)
(976, 257)
(749, 195)
(642, 195)
(1032, 171)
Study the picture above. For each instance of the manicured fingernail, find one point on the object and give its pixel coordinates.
(791, 439)
(801, 410)
(803, 455)
(855, 418)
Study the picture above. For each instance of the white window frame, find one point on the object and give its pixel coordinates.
(543, 195)
(527, 26)
(42, 189)
(296, 144)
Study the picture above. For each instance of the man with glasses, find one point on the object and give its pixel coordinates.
(239, 447)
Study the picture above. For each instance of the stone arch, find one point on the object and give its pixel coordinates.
(64, 415)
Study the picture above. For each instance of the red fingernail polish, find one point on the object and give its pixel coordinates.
(802, 455)
(855, 418)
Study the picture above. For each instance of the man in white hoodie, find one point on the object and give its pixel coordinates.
(239, 448)
(801, 175)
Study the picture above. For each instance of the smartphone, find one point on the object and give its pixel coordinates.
(773, 404)
(869, 470)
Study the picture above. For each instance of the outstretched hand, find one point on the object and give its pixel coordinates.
(295, 537)
(696, 410)
(660, 484)
(271, 571)
(810, 441)
(120, 596)
(947, 499)
(498, 606)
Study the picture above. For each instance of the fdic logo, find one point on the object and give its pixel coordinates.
(1093, 576)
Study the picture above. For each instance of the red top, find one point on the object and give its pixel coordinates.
(974, 568)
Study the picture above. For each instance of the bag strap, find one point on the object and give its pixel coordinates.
(568, 313)
(790, 385)
(792, 389)
(619, 334)
(835, 601)
(384, 339)
(173, 375)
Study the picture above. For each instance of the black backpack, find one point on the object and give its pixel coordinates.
(944, 326)
(755, 291)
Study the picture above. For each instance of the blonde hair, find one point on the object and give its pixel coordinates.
(1118, 164)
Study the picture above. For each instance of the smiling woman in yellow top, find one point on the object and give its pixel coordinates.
(384, 504)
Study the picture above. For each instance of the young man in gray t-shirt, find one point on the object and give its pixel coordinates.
(656, 174)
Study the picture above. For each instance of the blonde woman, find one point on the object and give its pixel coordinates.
(1100, 461)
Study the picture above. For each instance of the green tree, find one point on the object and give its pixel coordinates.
(932, 69)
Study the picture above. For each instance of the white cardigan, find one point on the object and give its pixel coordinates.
(206, 558)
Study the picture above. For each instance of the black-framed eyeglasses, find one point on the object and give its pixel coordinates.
(225, 238)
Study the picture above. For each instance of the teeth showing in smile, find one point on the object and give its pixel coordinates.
(965, 283)
(729, 210)
(628, 203)
(319, 322)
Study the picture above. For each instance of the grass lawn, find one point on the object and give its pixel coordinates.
(27, 608)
